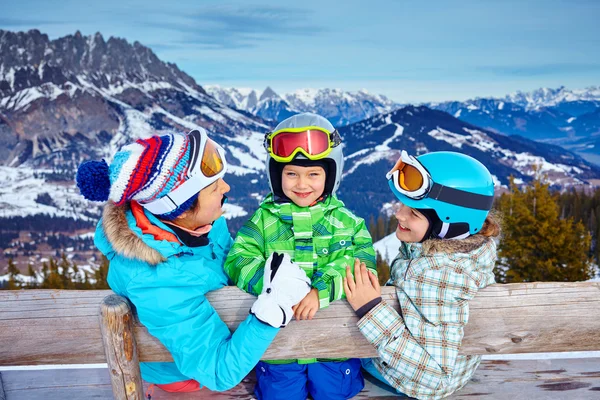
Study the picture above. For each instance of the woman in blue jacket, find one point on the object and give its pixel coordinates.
(163, 232)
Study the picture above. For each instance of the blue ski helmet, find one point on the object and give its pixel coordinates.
(461, 189)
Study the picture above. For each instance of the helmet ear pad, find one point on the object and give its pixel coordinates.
(276, 171)
(437, 230)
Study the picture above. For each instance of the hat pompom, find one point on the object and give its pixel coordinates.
(93, 181)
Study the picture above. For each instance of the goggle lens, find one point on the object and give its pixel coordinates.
(313, 142)
(212, 163)
(409, 177)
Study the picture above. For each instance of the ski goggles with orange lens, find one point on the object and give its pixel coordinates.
(410, 178)
(207, 164)
(312, 141)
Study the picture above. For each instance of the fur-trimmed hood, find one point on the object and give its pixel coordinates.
(451, 246)
(477, 252)
(122, 239)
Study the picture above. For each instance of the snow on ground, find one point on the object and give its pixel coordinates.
(239, 171)
(210, 113)
(181, 121)
(233, 211)
(397, 133)
(356, 154)
(255, 143)
(561, 174)
(508, 357)
(247, 160)
(20, 188)
(83, 270)
(372, 158)
(388, 247)
(145, 86)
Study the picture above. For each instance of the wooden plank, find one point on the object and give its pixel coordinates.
(59, 384)
(53, 327)
(116, 322)
(554, 379)
(2, 395)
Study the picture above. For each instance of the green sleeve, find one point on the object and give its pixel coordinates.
(329, 280)
(245, 262)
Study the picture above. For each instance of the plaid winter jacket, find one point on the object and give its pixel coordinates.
(418, 346)
(321, 239)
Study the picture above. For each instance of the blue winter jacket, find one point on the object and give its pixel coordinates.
(167, 283)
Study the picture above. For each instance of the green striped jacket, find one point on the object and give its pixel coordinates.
(321, 239)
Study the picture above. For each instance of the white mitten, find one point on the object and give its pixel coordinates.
(284, 285)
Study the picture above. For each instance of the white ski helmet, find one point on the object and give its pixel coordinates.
(333, 163)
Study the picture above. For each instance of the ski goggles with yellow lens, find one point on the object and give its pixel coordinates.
(207, 164)
(410, 178)
(312, 141)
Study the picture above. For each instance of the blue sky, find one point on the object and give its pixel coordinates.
(411, 51)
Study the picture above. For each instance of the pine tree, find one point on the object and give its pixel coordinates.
(373, 228)
(381, 229)
(537, 244)
(14, 281)
(101, 275)
(53, 278)
(383, 269)
(33, 283)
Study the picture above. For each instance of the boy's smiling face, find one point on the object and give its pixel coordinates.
(303, 185)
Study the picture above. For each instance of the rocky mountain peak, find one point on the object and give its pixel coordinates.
(25, 57)
(268, 94)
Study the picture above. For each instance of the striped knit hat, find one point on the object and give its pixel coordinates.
(143, 171)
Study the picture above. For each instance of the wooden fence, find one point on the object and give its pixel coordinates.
(70, 327)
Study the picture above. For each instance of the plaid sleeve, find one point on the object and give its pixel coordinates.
(419, 348)
(329, 280)
(399, 350)
(245, 263)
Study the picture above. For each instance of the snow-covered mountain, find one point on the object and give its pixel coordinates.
(546, 98)
(341, 107)
(508, 118)
(66, 100)
(372, 146)
(565, 117)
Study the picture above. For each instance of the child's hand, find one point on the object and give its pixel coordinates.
(363, 287)
(308, 307)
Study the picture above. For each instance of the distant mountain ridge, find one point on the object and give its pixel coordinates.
(340, 107)
(562, 116)
(547, 97)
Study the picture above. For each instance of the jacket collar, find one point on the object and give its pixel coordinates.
(136, 234)
(325, 206)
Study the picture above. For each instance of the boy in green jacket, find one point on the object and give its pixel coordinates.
(303, 218)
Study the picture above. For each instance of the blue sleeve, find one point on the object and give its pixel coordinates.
(172, 305)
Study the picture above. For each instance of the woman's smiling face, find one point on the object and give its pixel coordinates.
(210, 202)
(412, 225)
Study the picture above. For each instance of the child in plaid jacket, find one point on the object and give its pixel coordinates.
(446, 255)
(303, 218)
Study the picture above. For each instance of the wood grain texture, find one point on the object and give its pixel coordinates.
(53, 326)
(116, 323)
(494, 380)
